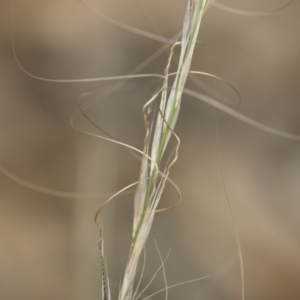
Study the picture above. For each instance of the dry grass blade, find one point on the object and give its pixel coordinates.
(125, 27)
(242, 117)
(105, 281)
(247, 13)
(159, 124)
(177, 284)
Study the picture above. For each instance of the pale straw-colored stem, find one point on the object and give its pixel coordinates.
(160, 122)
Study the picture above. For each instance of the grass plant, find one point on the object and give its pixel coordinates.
(160, 116)
(158, 132)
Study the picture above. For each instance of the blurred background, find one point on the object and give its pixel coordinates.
(53, 178)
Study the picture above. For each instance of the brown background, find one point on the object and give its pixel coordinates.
(48, 244)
